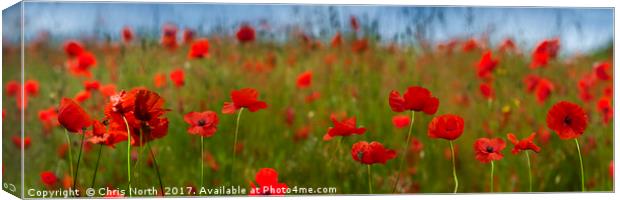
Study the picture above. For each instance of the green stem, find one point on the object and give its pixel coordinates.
(77, 168)
(583, 186)
(202, 163)
(235, 144)
(529, 168)
(69, 152)
(161, 185)
(128, 156)
(492, 170)
(456, 180)
(92, 184)
(402, 159)
(369, 180)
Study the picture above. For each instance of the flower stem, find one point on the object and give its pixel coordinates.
(161, 185)
(69, 151)
(128, 156)
(456, 180)
(92, 184)
(369, 180)
(235, 143)
(583, 187)
(77, 168)
(202, 163)
(529, 168)
(492, 170)
(402, 159)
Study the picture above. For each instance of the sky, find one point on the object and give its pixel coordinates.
(580, 29)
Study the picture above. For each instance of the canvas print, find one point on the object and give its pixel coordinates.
(139, 99)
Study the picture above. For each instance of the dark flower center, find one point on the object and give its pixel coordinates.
(360, 155)
(201, 122)
(568, 120)
(489, 149)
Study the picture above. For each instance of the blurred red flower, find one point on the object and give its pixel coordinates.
(401, 121)
(268, 183)
(604, 107)
(523, 145)
(243, 98)
(127, 34)
(246, 34)
(415, 99)
(199, 49)
(202, 123)
(72, 116)
(545, 50)
(304, 80)
(470, 45)
(80, 66)
(100, 135)
(12, 88)
(371, 153)
(73, 48)
(488, 150)
(543, 90)
(359, 45)
(92, 85)
(416, 145)
(313, 96)
(302, 133)
(107, 90)
(611, 169)
(602, 70)
(487, 91)
(48, 118)
(567, 119)
(486, 65)
(346, 127)
(354, 23)
(31, 87)
(507, 46)
(82, 96)
(48, 178)
(336, 40)
(169, 37)
(17, 141)
(188, 36)
(178, 77)
(448, 126)
(159, 80)
(531, 82)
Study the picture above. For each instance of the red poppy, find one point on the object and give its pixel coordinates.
(488, 150)
(416, 145)
(486, 65)
(159, 80)
(17, 141)
(92, 85)
(289, 116)
(268, 183)
(470, 45)
(73, 48)
(12, 88)
(567, 119)
(127, 34)
(246, 34)
(604, 107)
(81, 65)
(336, 40)
(401, 121)
(142, 109)
(31, 87)
(169, 37)
(82, 96)
(487, 91)
(543, 90)
(372, 153)
(107, 90)
(359, 45)
(243, 98)
(72, 116)
(354, 23)
(100, 135)
(448, 126)
(202, 123)
(48, 118)
(48, 178)
(178, 77)
(188, 36)
(346, 127)
(507, 45)
(304, 80)
(199, 49)
(602, 70)
(415, 99)
(547, 49)
(313, 96)
(531, 82)
(523, 145)
(302, 133)
(611, 169)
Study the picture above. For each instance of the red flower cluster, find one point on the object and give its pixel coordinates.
(268, 183)
(567, 119)
(346, 127)
(243, 98)
(79, 59)
(415, 99)
(541, 87)
(448, 126)
(488, 150)
(371, 153)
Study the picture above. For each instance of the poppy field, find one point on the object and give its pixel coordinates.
(186, 111)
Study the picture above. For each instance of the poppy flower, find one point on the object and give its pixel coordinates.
(354, 23)
(72, 116)
(531, 82)
(199, 49)
(359, 45)
(611, 169)
(188, 36)
(346, 127)
(202, 123)
(416, 145)
(601, 70)
(92, 85)
(73, 48)
(545, 50)
(448, 126)
(169, 37)
(507, 45)
(487, 91)
(159, 80)
(246, 34)
(31, 87)
(127, 34)
(302, 133)
(81, 65)
(313, 96)
(100, 135)
(107, 90)
(401, 121)
(48, 118)
(604, 107)
(523, 145)
(486, 65)
(17, 141)
(470, 45)
(243, 98)
(488, 150)
(12, 88)
(543, 90)
(82, 96)
(567, 119)
(48, 178)
(336, 40)
(371, 153)
(178, 77)
(304, 80)
(415, 99)
(268, 183)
